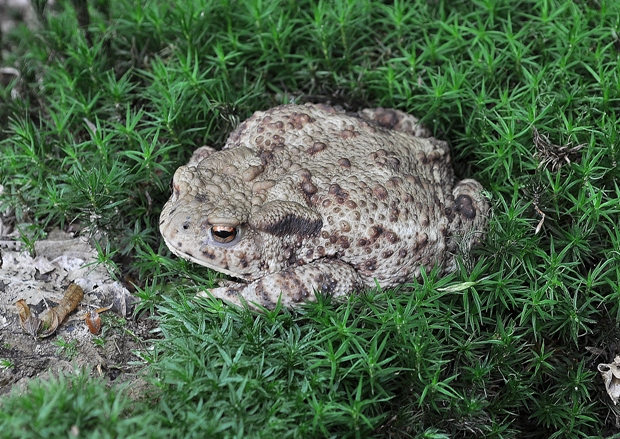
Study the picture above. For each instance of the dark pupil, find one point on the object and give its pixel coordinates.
(225, 234)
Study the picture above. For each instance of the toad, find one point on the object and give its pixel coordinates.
(309, 198)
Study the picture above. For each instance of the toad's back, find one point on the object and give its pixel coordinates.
(298, 189)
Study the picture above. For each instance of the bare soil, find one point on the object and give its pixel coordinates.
(41, 281)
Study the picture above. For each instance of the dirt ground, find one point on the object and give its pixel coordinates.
(41, 281)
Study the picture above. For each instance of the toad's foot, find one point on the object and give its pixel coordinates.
(292, 286)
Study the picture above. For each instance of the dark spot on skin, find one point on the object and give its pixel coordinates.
(232, 292)
(380, 192)
(386, 254)
(300, 119)
(375, 231)
(465, 206)
(421, 156)
(291, 224)
(370, 264)
(208, 254)
(309, 253)
(393, 163)
(391, 237)
(326, 283)
(386, 118)
(308, 188)
(336, 190)
(415, 180)
(434, 155)
(179, 244)
(449, 214)
(333, 239)
(345, 163)
(394, 181)
(279, 124)
(325, 234)
(295, 284)
(351, 204)
(201, 198)
(302, 294)
(316, 147)
(326, 203)
(394, 213)
(265, 298)
(407, 198)
(320, 250)
(306, 183)
(402, 253)
(243, 262)
(344, 242)
(186, 225)
(347, 134)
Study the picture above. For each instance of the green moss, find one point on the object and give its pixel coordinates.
(108, 108)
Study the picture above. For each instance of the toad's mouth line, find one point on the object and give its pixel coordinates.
(191, 258)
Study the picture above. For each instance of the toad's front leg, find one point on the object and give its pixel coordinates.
(292, 286)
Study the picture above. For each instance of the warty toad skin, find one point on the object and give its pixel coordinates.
(311, 198)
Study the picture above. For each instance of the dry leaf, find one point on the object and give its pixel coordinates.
(594, 351)
(105, 308)
(31, 324)
(50, 319)
(550, 154)
(53, 317)
(611, 377)
(93, 321)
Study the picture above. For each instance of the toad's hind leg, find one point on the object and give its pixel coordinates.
(292, 286)
(471, 215)
(395, 120)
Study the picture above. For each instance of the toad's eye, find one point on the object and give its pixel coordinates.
(223, 234)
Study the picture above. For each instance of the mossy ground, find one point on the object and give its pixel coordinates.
(112, 98)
